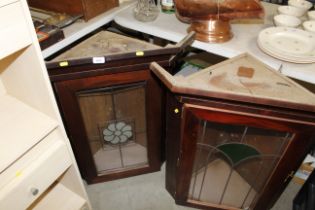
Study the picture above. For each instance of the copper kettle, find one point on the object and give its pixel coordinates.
(210, 18)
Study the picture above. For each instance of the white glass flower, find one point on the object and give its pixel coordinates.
(118, 132)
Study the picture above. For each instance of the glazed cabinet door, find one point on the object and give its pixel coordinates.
(114, 123)
(236, 160)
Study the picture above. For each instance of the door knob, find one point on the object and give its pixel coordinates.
(34, 191)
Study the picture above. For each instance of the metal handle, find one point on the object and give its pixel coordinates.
(34, 191)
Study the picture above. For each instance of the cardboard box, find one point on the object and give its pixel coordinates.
(89, 8)
(303, 173)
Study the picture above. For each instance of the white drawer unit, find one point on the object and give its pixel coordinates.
(61, 198)
(28, 158)
(14, 33)
(37, 165)
(35, 179)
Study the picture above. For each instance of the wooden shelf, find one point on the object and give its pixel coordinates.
(61, 198)
(12, 25)
(21, 127)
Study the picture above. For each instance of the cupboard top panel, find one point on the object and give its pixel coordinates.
(243, 79)
(105, 43)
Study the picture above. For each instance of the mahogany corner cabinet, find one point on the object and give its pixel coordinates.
(236, 132)
(111, 104)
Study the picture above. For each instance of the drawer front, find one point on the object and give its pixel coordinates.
(35, 179)
(14, 32)
(28, 158)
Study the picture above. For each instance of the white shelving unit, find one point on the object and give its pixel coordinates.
(37, 166)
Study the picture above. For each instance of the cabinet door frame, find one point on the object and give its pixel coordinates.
(294, 153)
(66, 95)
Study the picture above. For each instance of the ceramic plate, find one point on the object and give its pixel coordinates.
(288, 44)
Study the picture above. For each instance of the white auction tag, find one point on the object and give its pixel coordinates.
(98, 60)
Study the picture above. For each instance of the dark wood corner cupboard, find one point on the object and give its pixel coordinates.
(230, 156)
(235, 135)
(111, 105)
(235, 132)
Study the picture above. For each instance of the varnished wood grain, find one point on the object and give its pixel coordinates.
(296, 122)
(134, 105)
(89, 8)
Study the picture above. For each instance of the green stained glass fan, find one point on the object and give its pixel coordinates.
(237, 152)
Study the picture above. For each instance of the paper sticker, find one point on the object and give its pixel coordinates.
(139, 53)
(18, 173)
(64, 63)
(98, 60)
(245, 72)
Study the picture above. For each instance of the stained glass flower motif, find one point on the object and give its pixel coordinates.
(118, 132)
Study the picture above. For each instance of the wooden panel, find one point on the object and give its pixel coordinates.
(292, 152)
(172, 141)
(72, 7)
(95, 7)
(105, 43)
(145, 101)
(90, 8)
(223, 81)
(189, 129)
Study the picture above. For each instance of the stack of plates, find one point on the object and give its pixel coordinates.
(288, 44)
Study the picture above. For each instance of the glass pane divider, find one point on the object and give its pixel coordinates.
(203, 134)
(226, 185)
(244, 134)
